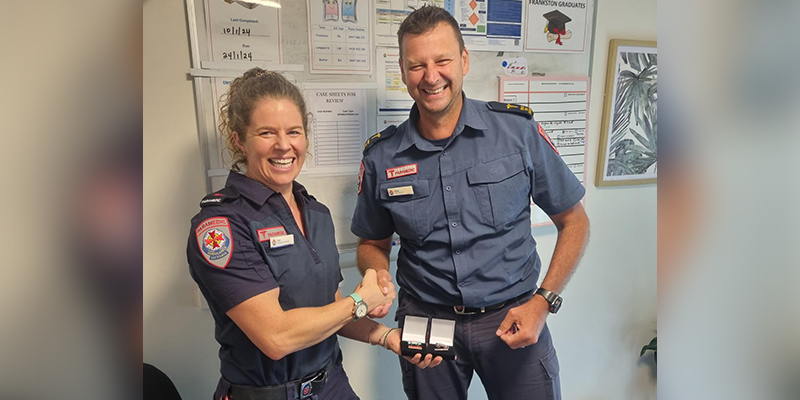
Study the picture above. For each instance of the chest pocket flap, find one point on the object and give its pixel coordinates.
(404, 190)
(495, 171)
(501, 188)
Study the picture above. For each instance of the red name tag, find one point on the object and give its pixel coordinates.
(267, 233)
(402, 170)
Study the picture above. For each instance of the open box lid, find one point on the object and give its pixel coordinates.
(442, 331)
(414, 329)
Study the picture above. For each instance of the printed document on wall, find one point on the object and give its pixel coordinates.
(338, 130)
(556, 26)
(489, 25)
(393, 97)
(389, 14)
(560, 106)
(340, 36)
(240, 31)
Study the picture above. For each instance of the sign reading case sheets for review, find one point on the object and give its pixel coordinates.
(338, 130)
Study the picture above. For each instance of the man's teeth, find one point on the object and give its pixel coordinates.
(281, 162)
(439, 90)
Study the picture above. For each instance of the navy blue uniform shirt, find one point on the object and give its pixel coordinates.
(231, 259)
(462, 211)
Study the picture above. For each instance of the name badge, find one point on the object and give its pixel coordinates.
(281, 241)
(400, 191)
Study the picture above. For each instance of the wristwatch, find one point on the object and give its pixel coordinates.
(360, 308)
(553, 299)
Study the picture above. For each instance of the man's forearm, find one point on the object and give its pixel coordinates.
(373, 254)
(573, 236)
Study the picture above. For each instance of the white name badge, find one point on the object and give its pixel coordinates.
(281, 241)
(400, 191)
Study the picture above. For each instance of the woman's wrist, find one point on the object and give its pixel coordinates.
(376, 333)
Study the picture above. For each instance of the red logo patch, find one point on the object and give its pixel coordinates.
(265, 234)
(360, 176)
(403, 170)
(546, 137)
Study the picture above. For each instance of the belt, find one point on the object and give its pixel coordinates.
(302, 388)
(462, 310)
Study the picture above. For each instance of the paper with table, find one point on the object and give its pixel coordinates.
(561, 107)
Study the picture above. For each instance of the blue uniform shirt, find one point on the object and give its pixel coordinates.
(231, 259)
(462, 211)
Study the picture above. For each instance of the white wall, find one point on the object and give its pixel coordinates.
(610, 305)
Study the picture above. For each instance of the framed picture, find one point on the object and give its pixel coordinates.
(628, 138)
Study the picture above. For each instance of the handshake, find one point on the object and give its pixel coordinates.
(377, 290)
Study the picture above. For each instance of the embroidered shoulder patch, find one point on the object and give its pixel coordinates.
(219, 197)
(510, 108)
(215, 242)
(378, 137)
(360, 176)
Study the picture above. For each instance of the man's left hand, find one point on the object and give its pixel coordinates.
(524, 323)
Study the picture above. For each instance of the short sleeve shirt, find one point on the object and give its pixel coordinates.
(232, 259)
(462, 211)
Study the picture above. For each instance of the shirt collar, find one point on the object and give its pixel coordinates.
(256, 191)
(469, 117)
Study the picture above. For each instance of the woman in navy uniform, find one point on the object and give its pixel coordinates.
(262, 251)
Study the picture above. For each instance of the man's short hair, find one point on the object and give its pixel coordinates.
(425, 19)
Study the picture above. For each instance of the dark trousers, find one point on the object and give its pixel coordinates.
(529, 373)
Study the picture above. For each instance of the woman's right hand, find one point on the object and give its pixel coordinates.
(371, 292)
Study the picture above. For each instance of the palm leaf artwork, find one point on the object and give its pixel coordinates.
(634, 133)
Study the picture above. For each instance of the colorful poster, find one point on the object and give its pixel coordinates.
(561, 107)
(389, 14)
(489, 25)
(243, 32)
(556, 26)
(340, 36)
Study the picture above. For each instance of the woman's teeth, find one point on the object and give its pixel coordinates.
(281, 162)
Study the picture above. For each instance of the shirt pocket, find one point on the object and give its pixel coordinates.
(409, 211)
(502, 188)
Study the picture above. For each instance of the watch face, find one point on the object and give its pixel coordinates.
(556, 305)
(361, 310)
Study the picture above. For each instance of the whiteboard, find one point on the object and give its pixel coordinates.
(338, 192)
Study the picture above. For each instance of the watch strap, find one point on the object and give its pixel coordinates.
(355, 297)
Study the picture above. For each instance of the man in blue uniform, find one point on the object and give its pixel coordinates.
(455, 182)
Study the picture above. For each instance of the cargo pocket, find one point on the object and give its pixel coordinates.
(502, 188)
(551, 369)
(407, 201)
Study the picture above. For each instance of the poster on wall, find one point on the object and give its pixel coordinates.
(489, 25)
(340, 36)
(243, 32)
(556, 26)
(560, 106)
(338, 129)
(389, 14)
(393, 97)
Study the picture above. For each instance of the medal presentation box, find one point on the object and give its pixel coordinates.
(423, 335)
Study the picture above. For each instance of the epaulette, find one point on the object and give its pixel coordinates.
(510, 108)
(219, 197)
(378, 137)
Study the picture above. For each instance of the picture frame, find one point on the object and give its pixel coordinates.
(627, 153)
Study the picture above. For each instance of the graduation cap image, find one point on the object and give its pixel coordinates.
(556, 26)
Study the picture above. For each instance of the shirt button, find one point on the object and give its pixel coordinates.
(461, 284)
(447, 188)
(444, 153)
(458, 252)
(454, 224)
